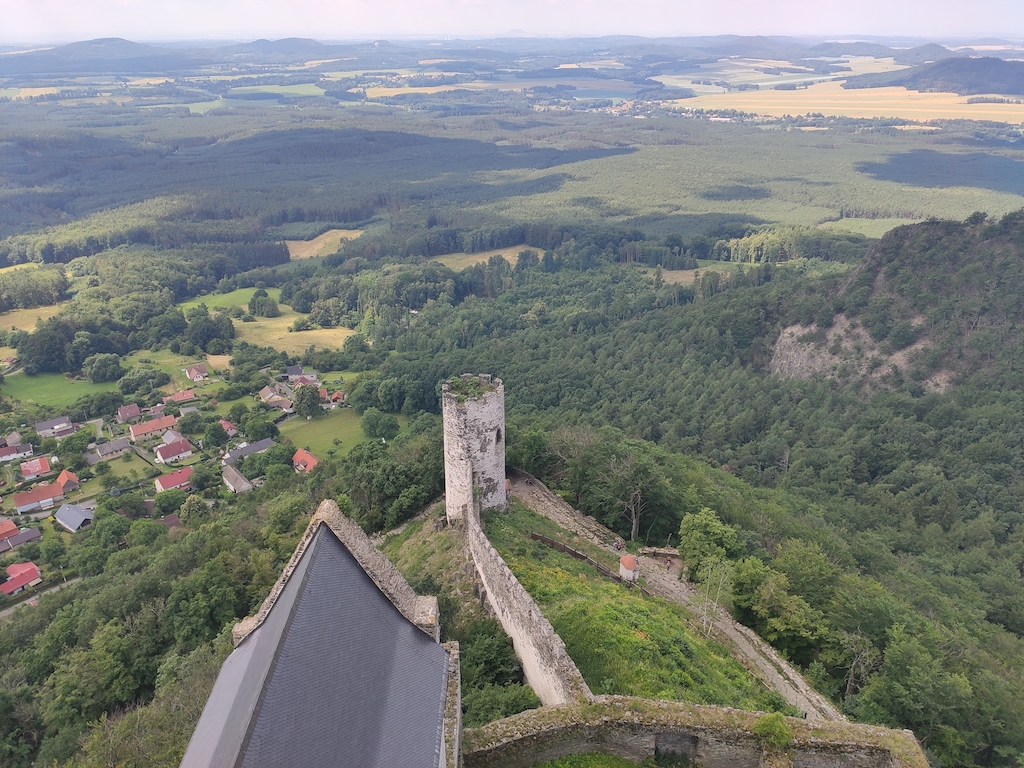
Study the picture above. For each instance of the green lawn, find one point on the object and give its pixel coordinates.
(133, 471)
(215, 301)
(319, 434)
(51, 389)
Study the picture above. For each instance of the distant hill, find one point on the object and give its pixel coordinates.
(103, 55)
(962, 76)
(924, 54)
(856, 48)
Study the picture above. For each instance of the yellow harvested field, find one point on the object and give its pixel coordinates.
(832, 100)
(218, 362)
(323, 245)
(459, 261)
(25, 319)
(25, 93)
(688, 276)
(25, 265)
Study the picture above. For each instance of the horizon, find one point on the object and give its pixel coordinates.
(51, 22)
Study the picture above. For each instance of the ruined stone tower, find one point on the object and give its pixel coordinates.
(474, 444)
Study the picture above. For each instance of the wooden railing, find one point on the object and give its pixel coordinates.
(608, 573)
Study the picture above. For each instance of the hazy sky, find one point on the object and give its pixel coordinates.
(41, 21)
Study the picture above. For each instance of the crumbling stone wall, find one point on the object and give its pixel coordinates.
(474, 444)
(546, 664)
(710, 737)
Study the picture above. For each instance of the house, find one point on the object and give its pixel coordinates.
(306, 381)
(22, 537)
(41, 497)
(293, 372)
(279, 391)
(171, 521)
(130, 412)
(171, 452)
(246, 449)
(12, 452)
(183, 396)
(68, 481)
(180, 479)
(7, 529)
(628, 568)
(21, 576)
(327, 637)
(324, 397)
(304, 461)
(338, 397)
(197, 373)
(109, 450)
(151, 427)
(73, 517)
(171, 436)
(235, 480)
(230, 428)
(12, 439)
(52, 427)
(282, 403)
(33, 468)
(8, 361)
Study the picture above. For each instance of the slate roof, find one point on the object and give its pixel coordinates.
(72, 516)
(116, 445)
(247, 450)
(335, 675)
(22, 537)
(42, 426)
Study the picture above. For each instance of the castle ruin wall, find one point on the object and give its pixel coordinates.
(474, 446)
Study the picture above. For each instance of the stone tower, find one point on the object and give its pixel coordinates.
(474, 444)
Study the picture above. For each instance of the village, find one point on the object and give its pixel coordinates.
(54, 472)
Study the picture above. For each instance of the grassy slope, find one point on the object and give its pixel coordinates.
(622, 642)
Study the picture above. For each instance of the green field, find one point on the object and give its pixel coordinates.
(52, 389)
(622, 642)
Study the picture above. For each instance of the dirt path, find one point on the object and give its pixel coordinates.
(755, 654)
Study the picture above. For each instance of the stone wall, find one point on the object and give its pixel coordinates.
(711, 737)
(474, 445)
(546, 664)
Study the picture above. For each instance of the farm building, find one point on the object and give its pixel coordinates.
(130, 412)
(41, 497)
(235, 480)
(304, 461)
(33, 468)
(176, 451)
(21, 537)
(151, 427)
(180, 479)
(197, 373)
(73, 517)
(20, 577)
(109, 450)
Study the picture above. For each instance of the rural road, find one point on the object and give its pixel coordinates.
(8, 611)
(755, 654)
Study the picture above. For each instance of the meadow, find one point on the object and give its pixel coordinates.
(322, 245)
(319, 434)
(50, 389)
(460, 261)
(25, 319)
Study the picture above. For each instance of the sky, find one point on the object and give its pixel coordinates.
(54, 21)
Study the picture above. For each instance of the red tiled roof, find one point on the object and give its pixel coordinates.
(174, 479)
(21, 575)
(180, 397)
(129, 411)
(153, 425)
(304, 460)
(65, 477)
(37, 494)
(177, 448)
(7, 529)
(628, 562)
(35, 466)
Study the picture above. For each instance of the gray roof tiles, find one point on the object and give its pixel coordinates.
(334, 673)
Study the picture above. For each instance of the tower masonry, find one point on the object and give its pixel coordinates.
(473, 407)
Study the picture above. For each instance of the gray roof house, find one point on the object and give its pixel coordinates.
(235, 480)
(340, 667)
(73, 517)
(22, 537)
(247, 450)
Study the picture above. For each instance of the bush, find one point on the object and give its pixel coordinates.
(774, 730)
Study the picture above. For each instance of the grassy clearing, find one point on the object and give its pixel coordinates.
(459, 261)
(26, 265)
(867, 227)
(622, 642)
(168, 362)
(129, 473)
(52, 389)
(322, 245)
(25, 319)
(319, 434)
(593, 760)
(272, 331)
(687, 276)
(831, 99)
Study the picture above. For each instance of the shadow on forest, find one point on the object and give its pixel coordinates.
(928, 168)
